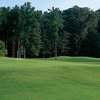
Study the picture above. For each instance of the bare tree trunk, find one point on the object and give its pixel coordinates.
(61, 51)
(24, 52)
(13, 49)
(6, 44)
(18, 52)
(43, 54)
(55, 50)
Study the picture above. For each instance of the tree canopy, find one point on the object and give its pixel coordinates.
(27, 32)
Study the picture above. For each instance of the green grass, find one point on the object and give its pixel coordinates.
(69, 78)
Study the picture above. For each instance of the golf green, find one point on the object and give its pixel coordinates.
(68, 78)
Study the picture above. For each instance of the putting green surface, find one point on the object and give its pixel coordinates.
(68, 78)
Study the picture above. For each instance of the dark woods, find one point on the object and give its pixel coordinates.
(27, 32)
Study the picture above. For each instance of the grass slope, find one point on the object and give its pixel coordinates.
(69, 78)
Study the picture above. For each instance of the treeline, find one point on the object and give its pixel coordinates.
(27, 32)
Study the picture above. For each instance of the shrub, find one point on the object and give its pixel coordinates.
(3, 51)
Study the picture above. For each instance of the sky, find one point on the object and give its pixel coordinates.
(47, 4)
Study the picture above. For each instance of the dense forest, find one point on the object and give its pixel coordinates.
(26, 32)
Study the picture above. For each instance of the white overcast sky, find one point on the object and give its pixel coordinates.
(45, 4)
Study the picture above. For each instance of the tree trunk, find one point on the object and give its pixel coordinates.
(18, 52)
(43, 55)
(6, 44)
(61, 52)
(24, 52)
(13, 49)
(55, 50)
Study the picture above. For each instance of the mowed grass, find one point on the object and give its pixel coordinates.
(69, 78)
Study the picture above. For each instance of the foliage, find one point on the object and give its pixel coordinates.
(51, 33)
(91, 44)
(78, 22)
(3, 51)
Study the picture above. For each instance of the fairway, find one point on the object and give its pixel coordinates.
(68, 78)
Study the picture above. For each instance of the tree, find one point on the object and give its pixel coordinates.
(63, 43)
(55, 23)
(26, 25)
(30, 29)
(46, 37)
(78, 21)
(14, 26)
(91, 44)
(34, 35)
(35, 41)
(4, 28)
(51, 33)
(3, 51)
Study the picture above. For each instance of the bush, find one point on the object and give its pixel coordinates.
(3, 51)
